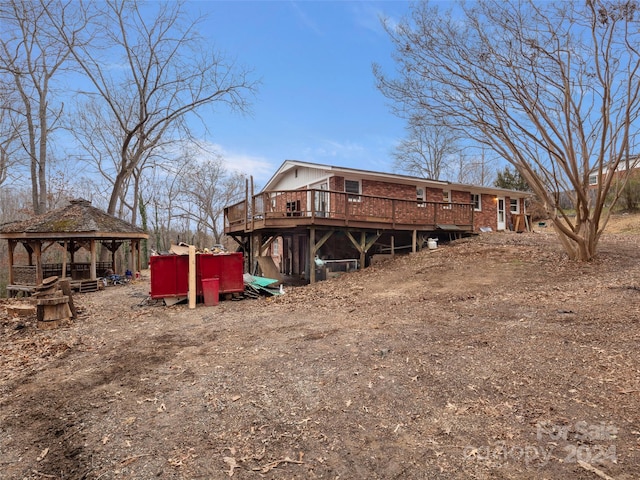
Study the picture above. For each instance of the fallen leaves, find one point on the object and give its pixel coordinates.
(233, 464)
(270, 466)
(42, 455)
(231, 461)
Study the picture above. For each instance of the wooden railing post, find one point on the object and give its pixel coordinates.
(472, 218)
(346, 205)
(393, 213)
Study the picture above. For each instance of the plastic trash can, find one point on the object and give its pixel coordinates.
(210, 291)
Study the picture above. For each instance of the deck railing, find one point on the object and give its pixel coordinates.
(325, 204)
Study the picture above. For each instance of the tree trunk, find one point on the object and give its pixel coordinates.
(582, 244)
(115, 193)
(42, 157)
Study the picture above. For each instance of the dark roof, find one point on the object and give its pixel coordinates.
(77, 220)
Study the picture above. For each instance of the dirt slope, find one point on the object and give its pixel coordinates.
(494, 357)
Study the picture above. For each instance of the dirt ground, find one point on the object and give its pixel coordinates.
(489, 358)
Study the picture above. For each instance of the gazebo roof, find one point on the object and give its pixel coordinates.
(78, 220)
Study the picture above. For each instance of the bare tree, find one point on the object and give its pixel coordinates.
(427, 149)
(552, 87)
(31, 55)
(205, 189)
(165, 75)
(9, 141)
(474, 169)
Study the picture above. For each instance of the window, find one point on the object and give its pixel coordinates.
(275, 247)
(476, 199)
(293, 208)
(446, 198)
(593, 179)
(420, 198)
(514, 205)
(352, 187)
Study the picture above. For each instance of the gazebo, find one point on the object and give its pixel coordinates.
(78, 225)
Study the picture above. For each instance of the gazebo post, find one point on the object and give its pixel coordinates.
(12, 247)
(63, 273)
(113, 250)
(38, 252)
(135, 256)
(139, 269)
(93, 274)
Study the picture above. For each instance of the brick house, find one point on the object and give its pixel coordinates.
(344, 216)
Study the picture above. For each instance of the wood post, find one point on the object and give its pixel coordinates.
(12, 247)
(363, 246)
(414, 241)
(253, 206)
(94, 251)
(38, 253)
(63, 273)
(312, 254)
(192, 276)
(314, 247)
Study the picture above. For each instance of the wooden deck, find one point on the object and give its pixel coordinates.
(286, 209)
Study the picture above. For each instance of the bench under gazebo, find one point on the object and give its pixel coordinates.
(78, 225)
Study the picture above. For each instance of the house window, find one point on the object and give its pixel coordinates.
(593, 179)
(352, 187)
(514, 205)
(275, 248)
(446, 198)
(293, 208)
(476, 201)
(420, 196)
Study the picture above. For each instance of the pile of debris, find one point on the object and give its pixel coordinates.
(255, 287)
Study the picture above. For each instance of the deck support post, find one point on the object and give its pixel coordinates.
(393, 245)
(312, 254)
(363, 246)
(314, 247)
(414, 241)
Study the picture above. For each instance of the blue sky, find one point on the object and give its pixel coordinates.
(317, 101)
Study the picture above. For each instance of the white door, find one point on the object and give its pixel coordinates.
(501, 214)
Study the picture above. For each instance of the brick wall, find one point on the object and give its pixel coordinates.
(434, 195)
(488, 216)
(390, 190)
(458, 196)
(336, 183)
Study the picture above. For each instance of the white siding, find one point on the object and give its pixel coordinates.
(306, 176)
